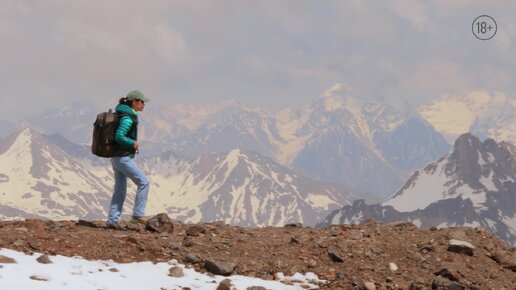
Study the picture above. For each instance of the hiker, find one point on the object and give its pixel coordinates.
(124, 167)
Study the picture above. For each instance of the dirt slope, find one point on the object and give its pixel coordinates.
(395, 256)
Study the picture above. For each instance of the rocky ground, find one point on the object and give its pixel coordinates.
(365, 256)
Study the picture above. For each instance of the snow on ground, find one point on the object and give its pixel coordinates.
(77, 273)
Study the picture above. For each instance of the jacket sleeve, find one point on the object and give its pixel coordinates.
(126, 122)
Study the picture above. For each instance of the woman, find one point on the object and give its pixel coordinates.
(124, 166)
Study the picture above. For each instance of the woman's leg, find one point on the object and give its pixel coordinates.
(129, 168)
(120, 191)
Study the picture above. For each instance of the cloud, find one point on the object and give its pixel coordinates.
(265, 53)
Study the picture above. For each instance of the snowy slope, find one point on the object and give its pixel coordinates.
(240, 188)
(471, 170)
(38, 179)
(473, 185)
(485, 114)
(78, 273)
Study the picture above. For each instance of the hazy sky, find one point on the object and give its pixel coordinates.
(261, 53)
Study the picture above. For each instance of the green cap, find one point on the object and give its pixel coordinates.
(136, 95)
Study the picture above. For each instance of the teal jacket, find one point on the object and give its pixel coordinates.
(126, 134)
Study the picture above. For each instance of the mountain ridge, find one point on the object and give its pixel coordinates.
(474, 185)
(231, 186)
(376, 138)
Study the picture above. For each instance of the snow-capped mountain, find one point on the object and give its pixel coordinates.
(485, 114)
(231, 126)
(38, 179)
(369, 146)
(474, 185)
(241, 188)
(50, 177)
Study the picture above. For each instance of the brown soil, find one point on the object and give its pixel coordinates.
(348, 256)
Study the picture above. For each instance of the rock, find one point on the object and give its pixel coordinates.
(294, 225)
(188, 242)
(335, 254)
(195, 231)
(18, 243)
(506, 259)
(176, 272)
(175, 246)
(334, 230)
(160, 223)
(224, 285)
(369, 286)
(393, 267)
(256, 288)
(461, 247)
(443, 283)
(294, 240)
(356, 235)
(6, 260)
(34, 246)
(450, 272)
(86, 224)
(192, 258)
(38, 278)
(418, 284)
(44, 259)
(402, 224)
(22, 229)
(219, 267)
(311, 263)
(426, 248)
(458, 235)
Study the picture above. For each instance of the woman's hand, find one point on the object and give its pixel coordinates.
(136, 144)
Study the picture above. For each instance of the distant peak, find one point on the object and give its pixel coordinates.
(27, 130)
(235, 152)
(338, 87)
(337, 97)
(467, 140)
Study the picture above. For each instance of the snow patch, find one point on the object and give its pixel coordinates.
(320, 201)
(78, 273)
(426, 189)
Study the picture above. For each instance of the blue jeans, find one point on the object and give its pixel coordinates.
(125, 167)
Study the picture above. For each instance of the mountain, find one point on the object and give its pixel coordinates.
(411, 144)
(339, 148)
(74, 120)
(47, 176)
(338, 138)
(366, 145)
(474, 185)
(485, 114)
(38, 179)
(240, 188)
(231, 126)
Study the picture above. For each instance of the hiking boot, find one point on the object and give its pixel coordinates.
(139, 220)
(116, 226)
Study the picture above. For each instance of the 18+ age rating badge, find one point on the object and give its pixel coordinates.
(484, 27)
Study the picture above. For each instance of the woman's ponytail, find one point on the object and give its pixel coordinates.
(124, 101)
